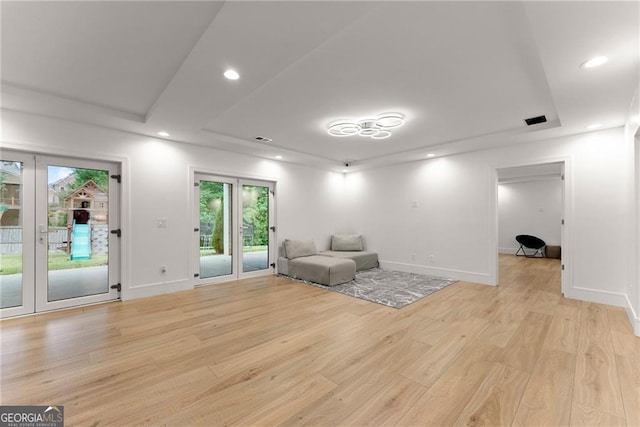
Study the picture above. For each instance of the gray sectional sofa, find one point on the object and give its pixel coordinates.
(301, 260)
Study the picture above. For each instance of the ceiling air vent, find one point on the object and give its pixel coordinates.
(535, 120)
(263, 139)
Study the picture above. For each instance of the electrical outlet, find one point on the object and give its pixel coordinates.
(161, 222)
(163, 268)
(432, 259)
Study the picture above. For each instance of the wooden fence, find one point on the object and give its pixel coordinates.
(11, 239)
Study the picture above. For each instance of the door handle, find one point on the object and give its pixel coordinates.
(43, 232)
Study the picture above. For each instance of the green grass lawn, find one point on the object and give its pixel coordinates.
(12, 264)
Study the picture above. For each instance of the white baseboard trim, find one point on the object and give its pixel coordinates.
(152, 289)
(633, 317)
(508, 251)
(467, 276)
(597, 296)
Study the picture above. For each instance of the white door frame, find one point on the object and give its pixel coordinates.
(271, 247)
(196, 227)
(27, 206)
(41, 268)
(236, 227)
(34, 205)
(567, 214)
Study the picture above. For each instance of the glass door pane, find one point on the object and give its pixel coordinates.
(17, 234)
(56, 245)
(78, 232)
(77, 207)
(255, 228)
(216, 243)
(11, 234)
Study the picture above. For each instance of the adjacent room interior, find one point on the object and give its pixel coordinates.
(531, 202)
(156, 156)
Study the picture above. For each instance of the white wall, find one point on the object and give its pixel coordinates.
(157, 184)
(450, 230)
(531, 207)
(456, 217)
(427, 216)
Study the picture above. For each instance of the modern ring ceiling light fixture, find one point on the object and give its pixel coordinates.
(378, 128)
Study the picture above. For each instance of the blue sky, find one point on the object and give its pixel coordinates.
(58, 172)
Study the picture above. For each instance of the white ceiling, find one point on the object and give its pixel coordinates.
(465, 74)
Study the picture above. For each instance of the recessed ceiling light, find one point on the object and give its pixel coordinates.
(231, 74)
(431, 155)
(163, 133)
(594, 126)
(278, 157)
(594, 62)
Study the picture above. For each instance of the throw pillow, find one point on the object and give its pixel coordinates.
(346, 242)
(299, 248)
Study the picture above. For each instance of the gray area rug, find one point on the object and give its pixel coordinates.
(395, 289)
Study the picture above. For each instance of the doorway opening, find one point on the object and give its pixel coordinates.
(531, 200)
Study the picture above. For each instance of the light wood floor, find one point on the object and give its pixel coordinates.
(269, 351)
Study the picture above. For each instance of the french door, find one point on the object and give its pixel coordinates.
(57, 249)
(234, 232)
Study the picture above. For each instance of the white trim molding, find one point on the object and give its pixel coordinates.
(467, 276)
(609, 298)
(633, 317)
(153, 289)
(597, 296)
